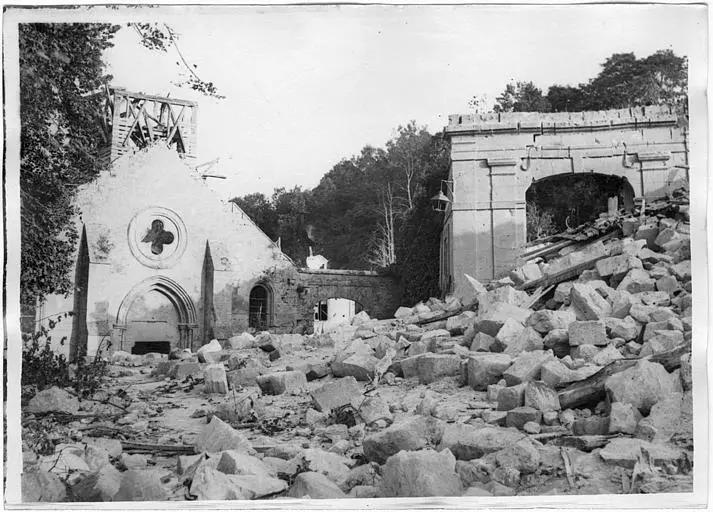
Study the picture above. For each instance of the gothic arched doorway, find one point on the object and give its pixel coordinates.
(260, 307)
(155, 316)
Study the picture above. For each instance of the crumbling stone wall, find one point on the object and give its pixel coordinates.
(496, 157)
(296, 291)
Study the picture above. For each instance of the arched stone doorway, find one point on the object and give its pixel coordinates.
(155, 316)
(260, 307)
(560, 201)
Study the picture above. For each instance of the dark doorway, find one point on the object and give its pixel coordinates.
(144, 347)
(259, 309)
(564, 201)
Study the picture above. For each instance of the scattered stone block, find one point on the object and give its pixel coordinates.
(482, 342)
(421, 473)
(626, 328)
(623, 418)
(593, 425)
(663, 421)
(545, 320)
(529, 339)
(277, 383)
(215, 379)
(617, 266)
(606, 355)
(431, 367)
(511, 397)
(42, 486)
(625, 452)
(587, 302)
(588, 332)
(642, 385)
(485, 369)
(242, 341)
(218, 436)
(636, 281)
(413, 433)
(53, 399)
(244, 377)
(360, 365)
(527, 367)
(336, 394)
(540, 396)
(102, 485)
(314, 485)
(141, 485)
(213, 346)
(467, 442)
(181, 371)
(662, 341)
(518, 416)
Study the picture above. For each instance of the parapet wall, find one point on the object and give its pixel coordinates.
(636, 118)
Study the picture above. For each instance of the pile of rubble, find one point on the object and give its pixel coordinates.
(582, 386)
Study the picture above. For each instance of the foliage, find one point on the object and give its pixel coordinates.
(623, 81)
(43, 367)
(61, 78)
(371, 211)
(418, 247)
(161, 37)
(540, 223)
(521, 97)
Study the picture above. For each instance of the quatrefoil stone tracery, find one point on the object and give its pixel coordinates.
(157, 237)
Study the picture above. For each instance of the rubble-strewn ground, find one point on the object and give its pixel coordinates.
(579, 386)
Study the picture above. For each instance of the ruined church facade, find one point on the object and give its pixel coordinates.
(163, 262)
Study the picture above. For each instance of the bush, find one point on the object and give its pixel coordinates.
(42, 367)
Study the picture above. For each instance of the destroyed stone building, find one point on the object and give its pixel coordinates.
(568, 371)
(495, 158)
(163, 262)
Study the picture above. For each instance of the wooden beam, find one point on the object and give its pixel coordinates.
(175, 126)
(159, 99)
(133, 125)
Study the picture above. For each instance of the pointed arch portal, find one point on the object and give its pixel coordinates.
(181, 312)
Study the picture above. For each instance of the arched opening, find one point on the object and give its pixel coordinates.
(155, 316)
(332, 312)
(260, 307)
(563, 201)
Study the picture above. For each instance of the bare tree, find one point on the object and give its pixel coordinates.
(383, 250)
(405, 152)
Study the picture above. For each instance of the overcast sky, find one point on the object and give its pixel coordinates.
(307, 86)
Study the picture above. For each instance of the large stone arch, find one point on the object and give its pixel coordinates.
(495, 158)
(182, 302)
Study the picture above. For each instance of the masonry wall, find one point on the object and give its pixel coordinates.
(296, 291)
(496, 157)
(158, 180)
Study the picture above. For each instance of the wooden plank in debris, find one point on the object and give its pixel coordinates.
(592, 388)
(443, 316)
(583, 443)
(137, 447)
(562, 276)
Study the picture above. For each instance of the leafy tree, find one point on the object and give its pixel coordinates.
(565, 98)
(521, 97)
(61, 77)
(260, 209)
(418, 243)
